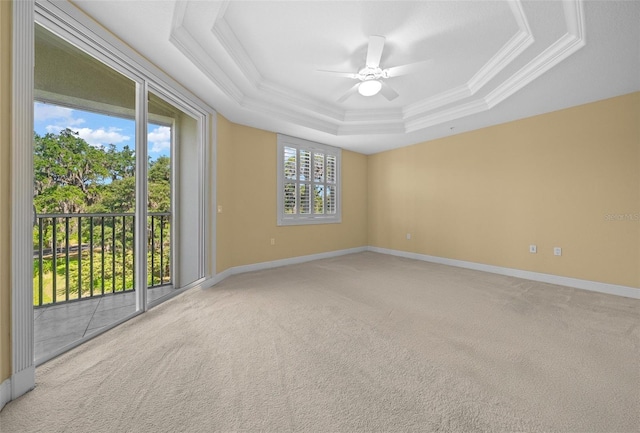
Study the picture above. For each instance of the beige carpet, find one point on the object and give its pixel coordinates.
(364, 342)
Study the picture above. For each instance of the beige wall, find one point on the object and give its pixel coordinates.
(482, 196)
(247, 193)
(549, 180)
(5, 188)
(224, 194)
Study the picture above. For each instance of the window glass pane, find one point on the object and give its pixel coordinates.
(331, 169)
(289, 198)
(305, 165)
(318, 167)
(318, 199)
(289, 163)
(305, 198)
(84, 165)
(331, 200)
(169, 126)
(70, 78)
(308, 189)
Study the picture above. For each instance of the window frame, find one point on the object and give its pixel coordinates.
(284, 219)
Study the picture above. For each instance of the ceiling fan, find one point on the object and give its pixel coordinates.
(372, 75)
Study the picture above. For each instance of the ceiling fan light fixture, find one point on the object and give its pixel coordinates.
(369, 87)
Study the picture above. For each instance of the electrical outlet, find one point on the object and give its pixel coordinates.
(557, 251)
(273, 241)
(219, 208)
(533, 249)
(408, 236)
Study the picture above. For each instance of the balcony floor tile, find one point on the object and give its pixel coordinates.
(59, 325)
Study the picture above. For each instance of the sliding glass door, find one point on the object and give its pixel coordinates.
(162, 126)
(175, 196)
(119, 188)
(84, 195)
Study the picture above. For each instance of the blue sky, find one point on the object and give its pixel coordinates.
(98, 129)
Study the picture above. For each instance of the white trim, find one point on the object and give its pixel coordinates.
(211, 202)
(594, 286)
(5, 393)
(301, 219)
(203, 150)
(282, 262)
(295, 260)
(221, 276)
(23, 381)
(250, 90)
(23, 369)
(202, 283)
(140, 240)
(102, 44)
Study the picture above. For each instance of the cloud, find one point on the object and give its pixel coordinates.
(95, 137)
(61, 115)
(159, 139)
(101, 137)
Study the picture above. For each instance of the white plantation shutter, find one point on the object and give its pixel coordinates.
(331, 184)
(305, 165)
(308, 182)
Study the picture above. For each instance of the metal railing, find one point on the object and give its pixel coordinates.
(78, 256)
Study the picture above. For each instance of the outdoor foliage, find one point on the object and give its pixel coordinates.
(73, 177)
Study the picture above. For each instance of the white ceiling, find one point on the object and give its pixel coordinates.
(489, 62)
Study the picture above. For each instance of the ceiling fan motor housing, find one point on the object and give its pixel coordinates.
(368, 73)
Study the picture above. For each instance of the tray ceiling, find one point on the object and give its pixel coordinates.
(487, 62)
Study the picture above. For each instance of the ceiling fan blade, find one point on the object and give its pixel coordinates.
(388, 92)
(397, 71)
(374, 52)
(340, 74)
(350, 92)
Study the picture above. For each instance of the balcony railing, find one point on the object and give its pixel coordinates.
(79, 256)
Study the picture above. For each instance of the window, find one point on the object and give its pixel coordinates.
(308, 182)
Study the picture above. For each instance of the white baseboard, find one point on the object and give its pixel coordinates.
(284, 262)
(594, 286)
(19, 384)
(203, 283)
(5, 393)
(223, 275)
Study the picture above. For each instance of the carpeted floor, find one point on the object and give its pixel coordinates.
(364, 342)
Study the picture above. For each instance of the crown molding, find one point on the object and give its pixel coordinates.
(372, 129)
(456, 112)
(272, 99)
(522, 40)
(190, 48)
(223, 32)
(272, 92)
(284, 112)
(374, 116)
(564, 47)
(509, 52)
(440, 100)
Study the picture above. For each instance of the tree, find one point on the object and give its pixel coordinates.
(67, 171)
(120, 163)
(159, 189)
(118, 196)
(73, 177)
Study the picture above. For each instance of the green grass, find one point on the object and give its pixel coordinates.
(60, 276)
